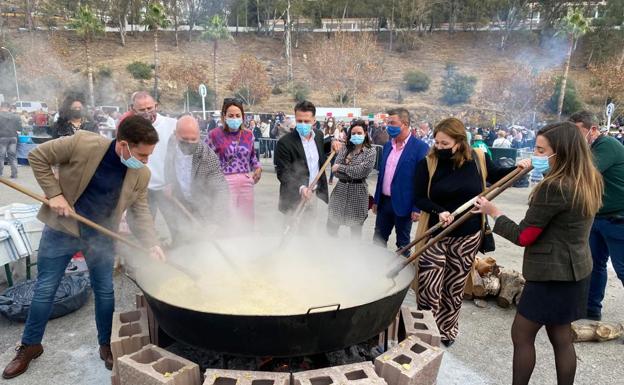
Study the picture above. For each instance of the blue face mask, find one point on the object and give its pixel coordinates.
(131, 162)
(357, 139)
(393, 131)
(540, 163)
(304, 129)
(234, 123)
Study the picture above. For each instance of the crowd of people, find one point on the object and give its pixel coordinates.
(574, 222)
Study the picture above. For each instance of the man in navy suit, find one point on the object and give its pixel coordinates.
(394, 196)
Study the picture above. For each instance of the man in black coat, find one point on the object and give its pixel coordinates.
(299, 156)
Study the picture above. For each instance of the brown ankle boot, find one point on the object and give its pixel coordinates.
(107, 356)
(25, 354)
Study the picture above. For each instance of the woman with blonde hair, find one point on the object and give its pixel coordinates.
(450, 175)
(557, 261)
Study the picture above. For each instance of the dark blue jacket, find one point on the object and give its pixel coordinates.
(402, 188)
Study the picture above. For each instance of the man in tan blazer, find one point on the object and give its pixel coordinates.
(98, 179)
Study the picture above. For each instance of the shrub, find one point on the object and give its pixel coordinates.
(195, 99)
(105, 72)
(457, 88)
(276, 90)
(140, 70)
(343, 98)
(416, 81)
(300, 92)
(571, 101)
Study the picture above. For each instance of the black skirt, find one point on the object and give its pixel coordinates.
(554, 302)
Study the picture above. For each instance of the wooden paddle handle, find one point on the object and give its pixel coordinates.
(490, 196)
(460, 210)
(185, 211)
(303, 202)
(74, 215)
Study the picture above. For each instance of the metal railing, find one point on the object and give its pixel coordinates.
(265, 148)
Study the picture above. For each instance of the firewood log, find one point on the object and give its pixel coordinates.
(597, 331)
(491, 283)
(511, 284)
(485, 266)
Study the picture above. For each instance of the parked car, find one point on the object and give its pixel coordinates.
(30, 106)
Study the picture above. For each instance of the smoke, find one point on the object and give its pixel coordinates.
(261, 272)
(550, 56)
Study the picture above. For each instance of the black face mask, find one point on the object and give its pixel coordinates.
(75, 114)
(444, 154)
(188, 148)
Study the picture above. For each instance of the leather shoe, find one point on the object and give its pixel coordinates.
(19, 364)
(107, 356)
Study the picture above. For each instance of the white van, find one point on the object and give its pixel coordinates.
(22, 106)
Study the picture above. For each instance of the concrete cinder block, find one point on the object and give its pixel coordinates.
(151, 320)
(115, 375)
(361, 373)
(412, 362)
(130, 332)
(152, 365)
(422, 324)
(393, 332)
(241, 377)
(324, 376)
(140, 301)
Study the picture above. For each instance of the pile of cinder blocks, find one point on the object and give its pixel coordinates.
(137, 361)
(413, 361)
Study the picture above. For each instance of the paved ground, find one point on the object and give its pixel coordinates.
(481, 355)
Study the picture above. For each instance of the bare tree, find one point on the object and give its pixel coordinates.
(353, 75)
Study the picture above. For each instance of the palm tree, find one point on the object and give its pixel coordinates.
(155, 19)
(87, 26)
(573, 26)
(215, 31)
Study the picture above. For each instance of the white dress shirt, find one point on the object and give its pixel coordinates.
(312, 156)
(184, 169)
(165, 127)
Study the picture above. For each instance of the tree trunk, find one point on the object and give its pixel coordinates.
(122, 30)
(564, 80)
(215, 45)
(175, 22)
(156, 64)
(89, 74)
(391, 27)
(258, 15)
(29, 12)
(452, 17)
(288, 47)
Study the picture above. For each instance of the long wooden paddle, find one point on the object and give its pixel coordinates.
(491, 195)
(459, 211)
(303, 202)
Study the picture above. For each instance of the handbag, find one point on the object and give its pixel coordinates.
(487, 236)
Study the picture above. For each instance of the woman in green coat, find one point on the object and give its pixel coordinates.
(557, 262)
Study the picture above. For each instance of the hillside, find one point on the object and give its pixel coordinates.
(52, 61)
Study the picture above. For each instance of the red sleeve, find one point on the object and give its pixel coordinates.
(529, 235)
